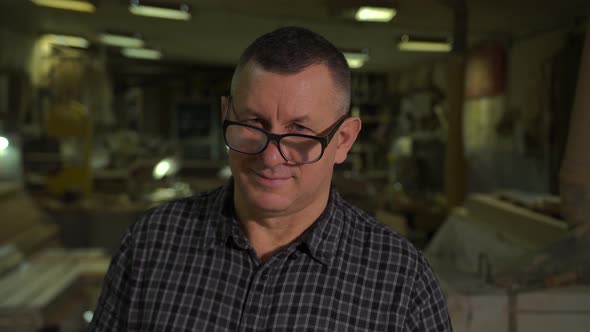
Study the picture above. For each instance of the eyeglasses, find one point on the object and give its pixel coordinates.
(296, 148)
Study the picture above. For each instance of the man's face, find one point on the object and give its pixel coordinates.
(302, 103)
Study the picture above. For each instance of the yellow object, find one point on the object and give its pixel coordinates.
(142, 53)
(69, 123)
(182, 13)
(66, 40)
(80, 6)
(375, 14)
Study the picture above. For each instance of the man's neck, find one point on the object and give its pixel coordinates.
(269, 233)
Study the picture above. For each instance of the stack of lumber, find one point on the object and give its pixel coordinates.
(50, 290)
(42, 286)
(21, 223)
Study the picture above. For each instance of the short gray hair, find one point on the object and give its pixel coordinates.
(290, 50)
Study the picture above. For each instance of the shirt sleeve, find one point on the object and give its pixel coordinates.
(429, 310)
(112, 310)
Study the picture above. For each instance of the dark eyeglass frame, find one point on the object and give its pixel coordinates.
(323, 140)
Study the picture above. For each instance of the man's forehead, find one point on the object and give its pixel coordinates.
(311, 89)
(294, 115)
(252, 71)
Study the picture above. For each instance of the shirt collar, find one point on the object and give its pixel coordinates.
(228, 227)
(320, 239)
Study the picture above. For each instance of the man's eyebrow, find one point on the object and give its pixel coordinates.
(246, 111)
(301, 118)
(306, 121)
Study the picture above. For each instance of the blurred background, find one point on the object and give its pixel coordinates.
(474, 143)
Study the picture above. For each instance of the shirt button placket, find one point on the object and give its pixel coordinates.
(264, 276)
(254, 301)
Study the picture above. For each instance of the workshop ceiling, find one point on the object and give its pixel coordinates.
(220, 29)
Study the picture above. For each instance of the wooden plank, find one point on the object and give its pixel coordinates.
(59, 254)
(50, 289)
(35, 238)
(97, 268)
(49, 275)
(453, 245)
(89, 261)
(566, 299)
(10, 258)
(36, 284)
(547, 322)
(478, 312)
(58, 286)
(18, 214)
(20, 320)
(515, 222)
(17, 280)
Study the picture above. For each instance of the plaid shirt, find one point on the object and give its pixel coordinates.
(187, 266)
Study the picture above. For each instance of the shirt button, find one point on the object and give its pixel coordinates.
(293, 256)
(264, 276)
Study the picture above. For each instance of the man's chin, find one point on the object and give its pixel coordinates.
(261, 195)
(268, 201)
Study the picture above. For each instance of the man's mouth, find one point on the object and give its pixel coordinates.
(270, 179)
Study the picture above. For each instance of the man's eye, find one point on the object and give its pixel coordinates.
(253, 122)
(300, 128)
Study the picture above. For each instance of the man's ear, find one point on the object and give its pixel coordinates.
(347, 135)
(224, 101)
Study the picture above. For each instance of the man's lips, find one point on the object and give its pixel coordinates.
(267, 178)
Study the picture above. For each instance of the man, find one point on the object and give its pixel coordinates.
(276, 248)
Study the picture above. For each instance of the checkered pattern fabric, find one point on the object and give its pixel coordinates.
(187, 266)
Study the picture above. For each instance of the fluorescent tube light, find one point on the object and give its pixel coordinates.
(356, 59)
(423, 46)
(355, 63)
(121, 40)
(408, 44)
(375, 14)
(182, 13)
(142, 53)
(65, 40)
(80, 6)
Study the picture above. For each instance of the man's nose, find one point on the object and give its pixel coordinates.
(271, 156)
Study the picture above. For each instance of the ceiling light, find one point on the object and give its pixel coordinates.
(121, 40)
(423, 45)
(173, 13)
(3, 143)
(77, 5)
(166, 167)
(88, 315)
(355, 63)
(356, 59)
(65, 40)
(142, 53)
(375, 14)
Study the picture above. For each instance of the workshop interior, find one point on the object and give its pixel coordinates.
(475, 141)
